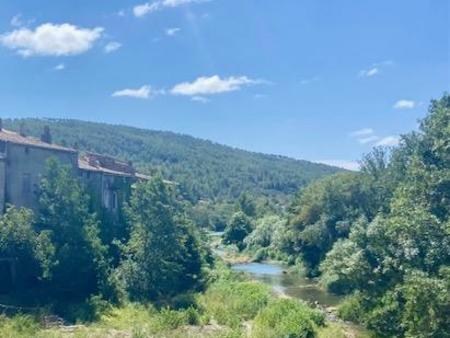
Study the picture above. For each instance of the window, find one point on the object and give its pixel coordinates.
(115, 202)
(26, 183)
(2, 146)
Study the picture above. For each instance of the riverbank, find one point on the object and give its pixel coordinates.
(285, 282)
(231, 307)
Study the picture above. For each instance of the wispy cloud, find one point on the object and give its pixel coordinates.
(368, 136)
(172, 31)
(59, 67)
(140, 93)
(405, 104)
(149, 7)
(112, 47)
(368, 139)
(375, 68)
(369, 72)
(51, 40)
(345, 164)
(362, 132)
(200, 99)
(389, 141)
(16, 20)
(213, 85)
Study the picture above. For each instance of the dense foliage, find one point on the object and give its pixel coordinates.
(203, 169)
(57, 256)
(394, 252)
(381, 235)
(163, 254)
(79, 263)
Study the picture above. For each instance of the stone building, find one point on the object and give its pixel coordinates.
(23, 162)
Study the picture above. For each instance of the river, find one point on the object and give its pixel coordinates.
(288, 283)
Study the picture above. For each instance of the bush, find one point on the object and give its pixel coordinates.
(231, 302)
(19, 326)
(287, 318)
(351, 309)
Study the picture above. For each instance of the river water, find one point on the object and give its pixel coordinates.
(288, 283)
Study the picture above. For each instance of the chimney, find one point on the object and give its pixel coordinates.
(46, 136)
(22, 129)
(1, 124)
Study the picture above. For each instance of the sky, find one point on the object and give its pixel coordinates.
(318, 80)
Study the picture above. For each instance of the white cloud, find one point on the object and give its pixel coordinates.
(172, 31)
(212, 85)
(140, 93)
(16, 20)
(404, 104)
(149, 7)
(368, 139)
(143, 9)
(60, 66)
(375, 68)
(362, 132)
(200, 99)
(345, 164)
(51, 39)
(364, 135)
(369, 72)
(112, 46)
(389, 141)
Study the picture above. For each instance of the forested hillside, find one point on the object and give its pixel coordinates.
(381, 236)
(204, 170)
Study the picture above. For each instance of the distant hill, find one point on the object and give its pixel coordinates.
(204, 169)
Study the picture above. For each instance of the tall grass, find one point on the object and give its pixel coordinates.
(231, 303)
(287, 318)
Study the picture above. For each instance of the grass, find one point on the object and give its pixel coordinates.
(231, 307)
(338, 330)
(287, 318)
(232, 302)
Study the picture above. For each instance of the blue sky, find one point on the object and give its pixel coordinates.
(317, 80)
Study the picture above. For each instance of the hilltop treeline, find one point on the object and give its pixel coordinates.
(380, 236)
(203, 169)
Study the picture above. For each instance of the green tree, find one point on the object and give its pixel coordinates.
(247, 205)
(79, 264)
(326, 211)
(163, 255)
(238, 228)
(21, 245)
(399, 262)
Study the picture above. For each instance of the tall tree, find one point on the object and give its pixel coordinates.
(163, 255)
(79, 266)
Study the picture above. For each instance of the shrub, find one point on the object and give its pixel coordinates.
(231, 302)
(351, 309)
(287, 318)
(19, 326)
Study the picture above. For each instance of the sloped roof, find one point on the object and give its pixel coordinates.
(16, 138)
(83, 164)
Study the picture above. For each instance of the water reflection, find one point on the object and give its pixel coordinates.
(290, 284)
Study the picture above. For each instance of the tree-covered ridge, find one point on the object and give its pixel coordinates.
(204, 170)
(381, 235)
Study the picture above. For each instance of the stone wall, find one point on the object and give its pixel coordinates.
(25, 166)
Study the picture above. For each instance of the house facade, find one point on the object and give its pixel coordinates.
(23, 162)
